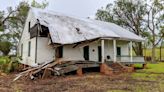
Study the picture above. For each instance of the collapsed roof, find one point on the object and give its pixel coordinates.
(66, 29)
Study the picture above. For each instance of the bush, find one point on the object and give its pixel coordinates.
(8, 64)
(5, 47)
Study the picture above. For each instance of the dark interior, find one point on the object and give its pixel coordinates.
(43, 32)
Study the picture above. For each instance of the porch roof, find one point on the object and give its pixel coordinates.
(66, 29)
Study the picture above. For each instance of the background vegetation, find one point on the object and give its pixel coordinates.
(11, 25)
(143, 17)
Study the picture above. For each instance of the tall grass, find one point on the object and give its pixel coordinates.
(148, 52)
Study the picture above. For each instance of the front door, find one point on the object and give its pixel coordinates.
(118, 51)
(86, 52)
(59, 52)
(99, 53)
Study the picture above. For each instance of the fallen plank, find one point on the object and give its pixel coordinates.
(27, 71)
(58, 67)
(46, 73)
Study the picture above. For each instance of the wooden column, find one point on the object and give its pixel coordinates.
(131, 51)
(102, 51)
(114, 50)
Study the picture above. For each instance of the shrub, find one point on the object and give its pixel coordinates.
(8, 64)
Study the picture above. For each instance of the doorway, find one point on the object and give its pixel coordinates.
(59, 52)
(86, 52)
(118, 51)
(99, 53)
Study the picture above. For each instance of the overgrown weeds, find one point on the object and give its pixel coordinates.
(8, 64)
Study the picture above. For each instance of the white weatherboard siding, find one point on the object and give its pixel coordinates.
(25, 39)
(109, 49)
(29, 60)
(93, 51)
(124, 47)
(45, 53)
(33, 46)
(108, 46)
(70, 53)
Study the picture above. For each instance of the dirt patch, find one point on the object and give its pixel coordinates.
(90, 82)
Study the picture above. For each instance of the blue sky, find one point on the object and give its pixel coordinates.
(79, 8)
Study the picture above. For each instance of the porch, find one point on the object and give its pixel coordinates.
(127, 60)
(118, 56)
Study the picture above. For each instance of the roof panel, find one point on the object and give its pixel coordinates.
(66, 29)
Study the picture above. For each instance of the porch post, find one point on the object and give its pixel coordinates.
(114, 50)
(131, 51)
(102, 51)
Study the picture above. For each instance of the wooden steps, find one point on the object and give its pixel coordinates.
(119, 68)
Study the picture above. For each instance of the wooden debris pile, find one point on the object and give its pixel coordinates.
(56, 67)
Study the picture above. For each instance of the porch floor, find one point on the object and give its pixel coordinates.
(111, 62)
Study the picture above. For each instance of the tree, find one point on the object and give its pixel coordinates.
(142, 18)
(12, 24)
(5, 47)
(155, 20)
(43, 5)
(128, 14)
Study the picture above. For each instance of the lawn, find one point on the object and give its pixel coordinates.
(153, 73)
(152, 68)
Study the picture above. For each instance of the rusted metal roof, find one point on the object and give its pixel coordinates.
(66, 29)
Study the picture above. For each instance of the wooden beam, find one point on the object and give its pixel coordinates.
(114, 50)
(46, 73)
(131, 51)
(83, 44)
(102, 51)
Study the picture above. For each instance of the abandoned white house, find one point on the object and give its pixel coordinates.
(48, 35)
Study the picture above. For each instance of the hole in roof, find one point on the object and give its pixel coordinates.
(78, 30)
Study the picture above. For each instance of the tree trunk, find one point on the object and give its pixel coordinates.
(160, 50)
(138, 49)
(153, 53)
(153, 47)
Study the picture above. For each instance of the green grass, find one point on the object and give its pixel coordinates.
(152, 72)
(152, 68)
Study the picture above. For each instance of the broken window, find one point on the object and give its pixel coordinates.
(39, 30)
(33, 31)
(44, 31)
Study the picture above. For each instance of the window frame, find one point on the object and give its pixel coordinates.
(22, 50)
(29, 48)
(29, 26)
